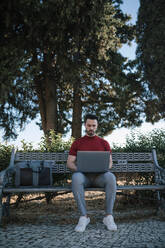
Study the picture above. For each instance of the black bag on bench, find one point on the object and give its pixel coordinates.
(33, 173)
(44, 174)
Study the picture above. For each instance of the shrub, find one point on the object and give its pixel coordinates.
(26, 146)
(140, 142)
(5, 153)
(54, 143)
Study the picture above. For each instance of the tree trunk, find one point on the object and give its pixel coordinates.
(77, 112)
(51, 105)
(41, 101)
(47, 98)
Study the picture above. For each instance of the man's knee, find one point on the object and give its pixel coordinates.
(77, 178)
(110, 178)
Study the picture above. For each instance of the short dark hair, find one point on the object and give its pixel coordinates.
(91, 117)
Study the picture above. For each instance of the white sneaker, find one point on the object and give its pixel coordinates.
(109, 222)
(83, 222)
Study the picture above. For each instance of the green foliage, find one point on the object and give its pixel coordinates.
(5, 153)
(51, 45)
(54, 143)
(26, 146)
(144, 142)
(140, 142)
(150, 56)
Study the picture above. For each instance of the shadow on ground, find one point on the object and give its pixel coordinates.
(63, 209)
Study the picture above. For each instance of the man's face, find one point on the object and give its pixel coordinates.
(91, 127)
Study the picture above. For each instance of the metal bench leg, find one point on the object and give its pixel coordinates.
(50, 196)
(20, 195)
(158, 196)
(162, 200)
(161, 203)
(1, 207)
(6, 207)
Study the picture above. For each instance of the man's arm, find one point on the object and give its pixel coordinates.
(71, 163)
(110, 162)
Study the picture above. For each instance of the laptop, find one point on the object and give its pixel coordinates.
(93, 161)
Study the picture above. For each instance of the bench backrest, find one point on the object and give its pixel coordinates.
(122, 162)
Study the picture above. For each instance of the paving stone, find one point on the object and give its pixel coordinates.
(147, 233)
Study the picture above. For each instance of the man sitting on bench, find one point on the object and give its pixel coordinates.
(91, 142)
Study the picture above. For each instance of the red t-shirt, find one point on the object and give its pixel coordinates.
(87, 143)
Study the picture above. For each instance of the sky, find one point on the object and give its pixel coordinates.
(33, 134)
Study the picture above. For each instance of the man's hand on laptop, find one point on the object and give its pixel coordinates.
(71, 163)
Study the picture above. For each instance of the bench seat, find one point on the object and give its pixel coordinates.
(40, 189)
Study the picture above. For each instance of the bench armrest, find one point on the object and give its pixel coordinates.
(160, 172)
(6, 175)
(2, 176)
(11, 164)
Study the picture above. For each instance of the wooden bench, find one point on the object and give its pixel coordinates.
(123, 164)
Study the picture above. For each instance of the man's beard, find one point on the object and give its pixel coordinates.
(90, 133)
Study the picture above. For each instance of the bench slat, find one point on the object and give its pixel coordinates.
(68, 189)
(137, 167)
(133, 167)
(62, 156)
(141, 156)
(128, 161)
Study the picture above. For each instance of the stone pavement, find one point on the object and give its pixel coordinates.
(139, 233)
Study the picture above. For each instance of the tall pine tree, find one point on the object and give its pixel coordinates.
(61, 58)
(150, 56)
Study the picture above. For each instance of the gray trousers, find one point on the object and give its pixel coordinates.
(106, 180)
